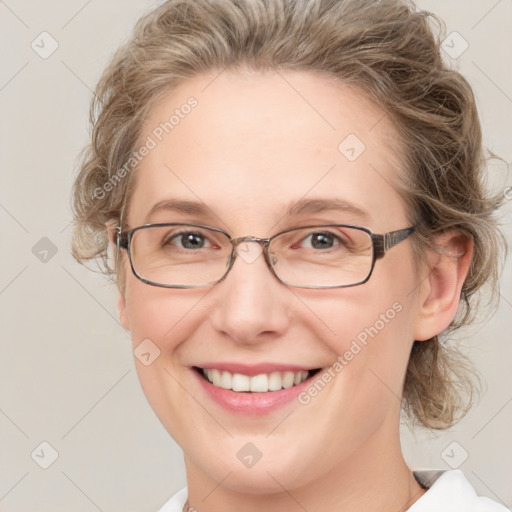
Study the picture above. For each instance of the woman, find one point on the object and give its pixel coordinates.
(292, 194)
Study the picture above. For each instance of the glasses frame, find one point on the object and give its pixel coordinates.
(381, 243)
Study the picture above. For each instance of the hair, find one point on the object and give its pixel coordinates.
(390, 52)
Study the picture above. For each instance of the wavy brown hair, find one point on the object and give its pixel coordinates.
(390, 52)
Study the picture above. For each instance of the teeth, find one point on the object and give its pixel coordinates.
(226, 380)
(287, 380)
(240, 382)
(259, 383)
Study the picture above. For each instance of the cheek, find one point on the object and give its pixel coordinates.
(357, 317)
(161, 320)
(159, 314)
(370, 328)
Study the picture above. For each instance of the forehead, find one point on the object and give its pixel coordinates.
(247, 145)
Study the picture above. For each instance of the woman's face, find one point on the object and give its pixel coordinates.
(252, 147)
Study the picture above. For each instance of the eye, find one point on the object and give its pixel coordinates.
(322, 240)
(188, 240)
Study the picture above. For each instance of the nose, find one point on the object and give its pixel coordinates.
(251, 304)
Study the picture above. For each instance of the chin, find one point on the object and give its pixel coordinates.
(237, 466)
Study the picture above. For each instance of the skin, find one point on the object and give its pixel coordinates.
(256, 143)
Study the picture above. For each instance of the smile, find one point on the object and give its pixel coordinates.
(262, 383)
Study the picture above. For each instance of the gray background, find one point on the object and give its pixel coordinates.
(67, 375)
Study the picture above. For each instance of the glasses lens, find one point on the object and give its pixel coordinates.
(322, 256)
(180, 255)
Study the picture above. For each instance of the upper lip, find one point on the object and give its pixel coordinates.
(254, 369)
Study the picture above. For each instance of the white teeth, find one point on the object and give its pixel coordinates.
(287, 380)
(298, 378)
(259, 383)
(274, 381)
(226, 380)
(240, 382)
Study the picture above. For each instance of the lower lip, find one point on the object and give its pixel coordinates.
(252, 403)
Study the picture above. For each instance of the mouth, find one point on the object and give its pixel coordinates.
(261, 383)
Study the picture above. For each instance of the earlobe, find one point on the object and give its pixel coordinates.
(440, 291)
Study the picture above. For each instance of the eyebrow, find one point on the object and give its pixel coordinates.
(180, 206)
(301, 207)
(329, 204)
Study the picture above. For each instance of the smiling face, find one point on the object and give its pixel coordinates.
(261, 153)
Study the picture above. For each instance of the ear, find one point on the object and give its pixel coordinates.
(440, 291)
(111, 227)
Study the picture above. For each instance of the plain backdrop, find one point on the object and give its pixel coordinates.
(67, 376)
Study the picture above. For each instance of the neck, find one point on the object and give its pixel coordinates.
(376, 477)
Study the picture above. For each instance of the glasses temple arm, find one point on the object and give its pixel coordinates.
(382, 243)
(121, 239)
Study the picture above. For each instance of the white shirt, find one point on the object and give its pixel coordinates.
(448, 491)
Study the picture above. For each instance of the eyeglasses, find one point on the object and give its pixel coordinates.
(192, 255)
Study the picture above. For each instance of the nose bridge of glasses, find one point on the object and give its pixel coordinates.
(248, 251)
